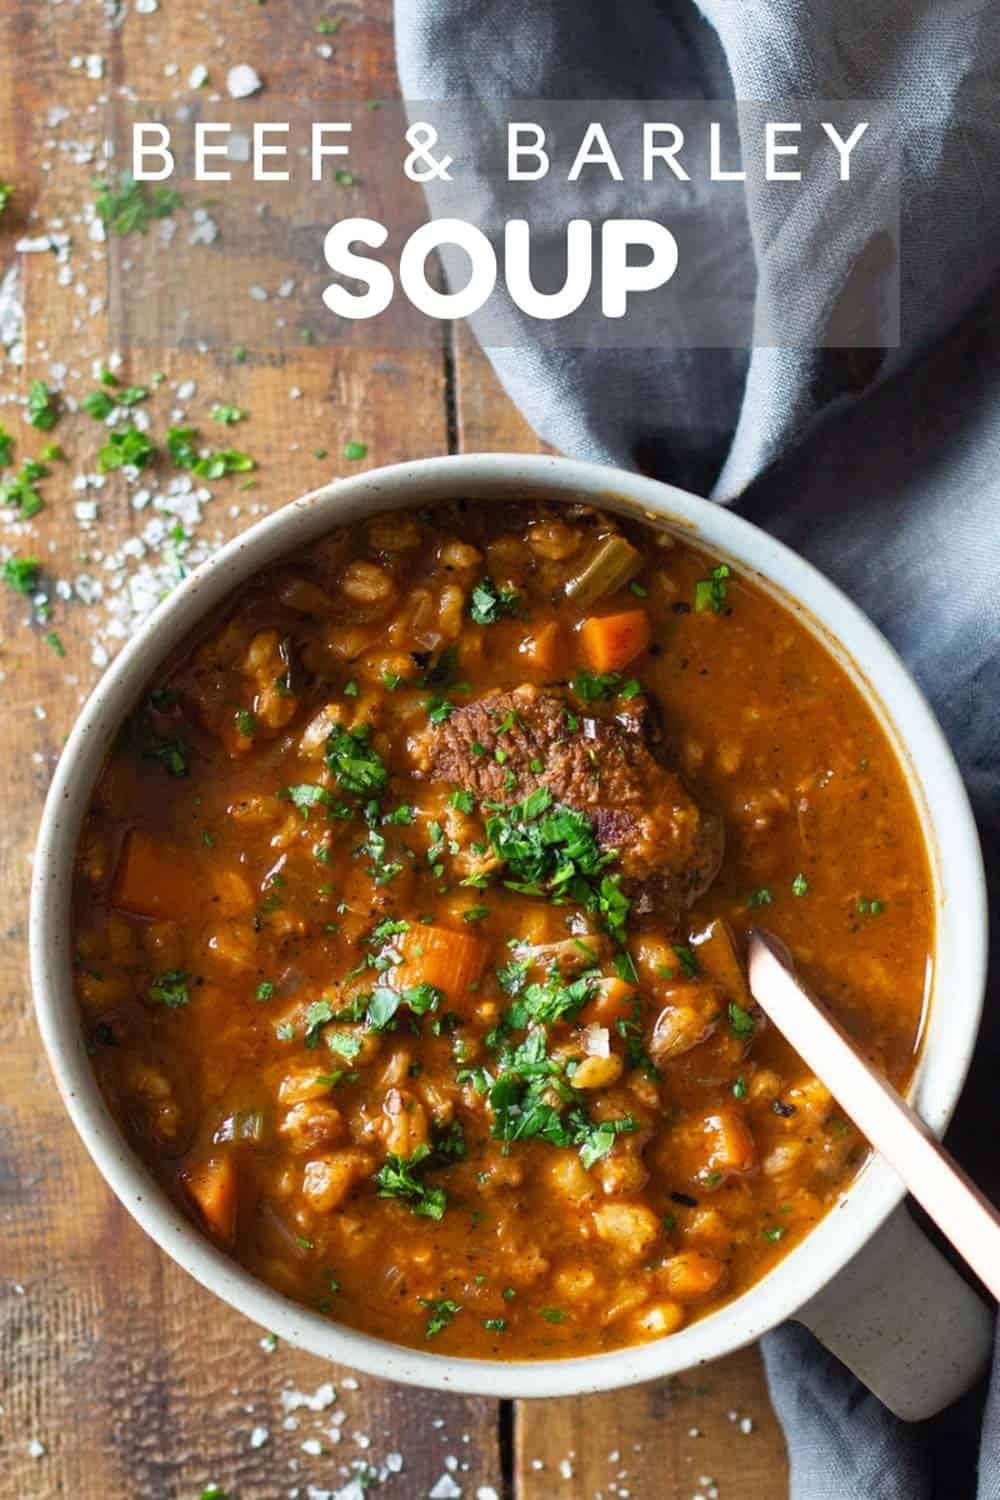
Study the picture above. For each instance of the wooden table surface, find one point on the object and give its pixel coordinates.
(119, 1376)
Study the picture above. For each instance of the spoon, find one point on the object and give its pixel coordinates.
(893, 1128)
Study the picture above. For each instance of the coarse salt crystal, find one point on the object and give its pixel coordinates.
(445, 1489)
(36, 1449)
(242, 81)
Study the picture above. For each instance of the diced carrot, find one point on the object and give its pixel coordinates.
(451, 961)
(152, 879)
(610, 642)
(211, 1186)
(614, 1001)
(540, 648)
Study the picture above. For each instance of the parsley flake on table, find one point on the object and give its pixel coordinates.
(42, 410)
(354, 452)
(227, 414)
(132, 207)
(126, 446)
(21, 574)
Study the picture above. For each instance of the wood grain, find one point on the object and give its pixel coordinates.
(130, 1381)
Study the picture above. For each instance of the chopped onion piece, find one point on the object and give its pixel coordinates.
(597, 1041)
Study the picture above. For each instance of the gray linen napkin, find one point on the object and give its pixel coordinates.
(881, 467)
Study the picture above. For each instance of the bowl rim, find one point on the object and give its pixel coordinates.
(946, 818)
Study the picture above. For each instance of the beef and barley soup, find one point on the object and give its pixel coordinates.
(409, 926)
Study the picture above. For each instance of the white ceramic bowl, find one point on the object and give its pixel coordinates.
(898, 1315)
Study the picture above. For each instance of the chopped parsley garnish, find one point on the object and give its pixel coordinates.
(171, 989)
(551, 1001)
(150, 744)
(264, 991)
(307, 795)
(740, 1089)
(488, 604)
(397, 1178)
(800, 885)
(6, 194)
(687, 960)
(53, 639)
(871, 906)
(42, 411)
(343, 1043)
(593, 687)
(531, 1099)
(629, 1028)
(774, 1235)
(553, 1314)
(442, 1310)
(21, 574)
(552, 849)
(6, 447)
(761, 897)
(495, 1325)
(246, 723)
(710, 593)
(463, 801)
(356, 766)
(353, 451)
(316, 1018)
(132, 207)
(741, 1021)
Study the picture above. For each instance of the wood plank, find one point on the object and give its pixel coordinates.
(133, 1380)
(682, 1437)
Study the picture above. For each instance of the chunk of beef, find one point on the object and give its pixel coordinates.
(669, 849)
